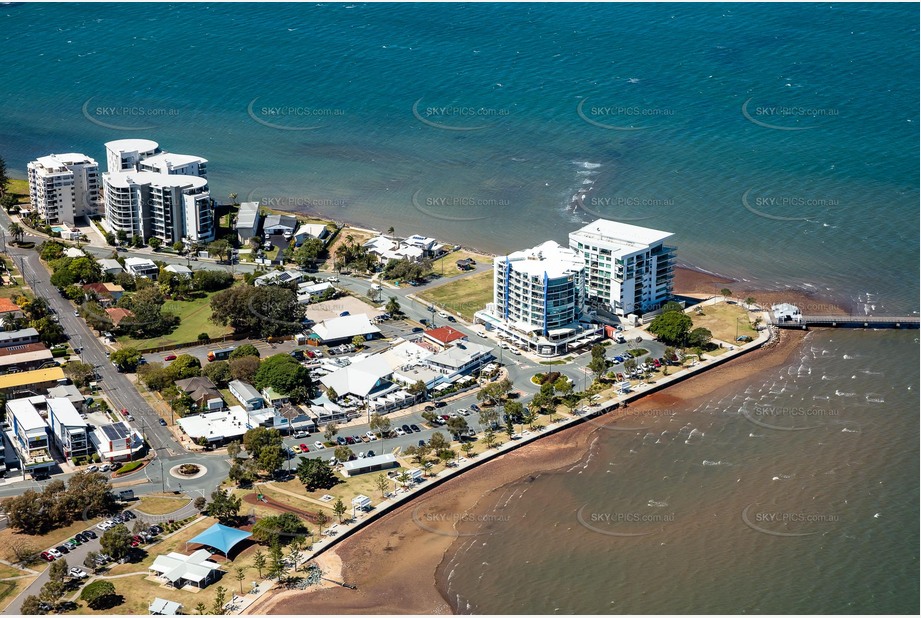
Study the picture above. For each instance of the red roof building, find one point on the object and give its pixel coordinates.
(444, 336)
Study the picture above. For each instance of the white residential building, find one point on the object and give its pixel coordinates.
(29, 433)
(165, 206)
(219, 427)
(141, 267)
(628, 269)
(63, 187)
(344, 328)
(125, 154)
(110, 266)
(246, 394)
(248, 221)
(176, 164)
(117, 441)
(68, 429)
(539, 300)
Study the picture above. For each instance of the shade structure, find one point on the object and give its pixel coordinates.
(220, 537)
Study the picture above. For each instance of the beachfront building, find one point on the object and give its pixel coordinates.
(125, 154)
(166, 206)
(280, 224)
(342, 329)
(178, 570)
(628, 269)
(176, 164)
(63, 187)
(29, 433)
(248, 220)
(539, 300)
(310, 230)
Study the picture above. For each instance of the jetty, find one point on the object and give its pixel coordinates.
(788, 316)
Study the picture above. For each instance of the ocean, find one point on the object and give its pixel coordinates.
(779, 142)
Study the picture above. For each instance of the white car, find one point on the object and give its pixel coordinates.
(55, 553)
(371, 435)
(464, 412)
(104, 525)
(442, 314)
(318, 445)
(77, 572)
(400, 432)
(93, 469)
(361, 455)
(333, 279)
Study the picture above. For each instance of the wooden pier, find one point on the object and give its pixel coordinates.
(849, 321)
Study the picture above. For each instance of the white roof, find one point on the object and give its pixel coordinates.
(367, 462)
(630, 236)
(361, 500)
(418, 240)
(248, 216)
(223, 424)
(109, 264)
(460, 354)
(25, 357)
(131, 178)
(381, 243)
(163, 607)
(65, 412)
(172, 159)
(406, 353)
(179, 269)
(316, 230)
(62, 160)
(26, 414)
(138, 262)
(550, 258)
(243, 389)
(175, 566)
(132, 145)
(314, 288)
(16, 334)
(345, 327)
(358, 378)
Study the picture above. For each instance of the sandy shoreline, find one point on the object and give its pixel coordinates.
(396, 564)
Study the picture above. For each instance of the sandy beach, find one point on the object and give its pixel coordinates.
(395, 562)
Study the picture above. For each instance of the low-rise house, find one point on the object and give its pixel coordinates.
(307, 293)
(25, 357)
(280, 277)
(117, 442)
(163, 607)
(217, 427)
(370, 464)
(429, 246)
(279, 224)
(248, 220)
(179, 269)
(18, 337)
(463, 357)
(35, 381)
(117, 315)
(110, 266)
(9, 309)
(105, 293)
(178, 570)
(273, 397)
(141, 267)
(69, 392)
(444, 336)
(310, 230)
(202, 391)
(246, 394)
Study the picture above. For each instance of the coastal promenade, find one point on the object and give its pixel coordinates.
(338, 532)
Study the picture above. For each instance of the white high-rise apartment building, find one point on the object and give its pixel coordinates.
(151, 193)
(63, 187)
(149, 204)
(539, 299)
(124, 154)
(627, 268)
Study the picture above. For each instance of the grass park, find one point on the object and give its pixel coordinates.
(159, 504)
(464, 296)
(195, 318)
(726, 321)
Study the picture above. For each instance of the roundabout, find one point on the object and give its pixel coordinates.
(188, 471)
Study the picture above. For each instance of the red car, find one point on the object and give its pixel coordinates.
(47, 556)
(304, 448)
(124, 411)
(169, 357)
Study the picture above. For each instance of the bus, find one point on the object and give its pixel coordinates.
(221, 354)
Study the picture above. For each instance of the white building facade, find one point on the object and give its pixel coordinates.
(628, 269)
(125, 154)
(63, 187)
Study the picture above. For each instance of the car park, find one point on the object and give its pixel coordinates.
(304, 448)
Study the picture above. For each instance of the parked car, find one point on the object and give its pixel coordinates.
(129, 515)
(300, 434)
(90, 534)
(77, 572)
(296, 449)
(116, 465)
(356, 439)
(370, 453)
(406, 429)
(440, 404)
(361, 455)
(371, 435)
(319, 445)
(54, 553)
(82, 537)
(415, 428)
(475, 407)
(349, 440)
(93, 469)
(421, 442)
(169, 357)
(47, 556)
(304, 448)
(400, 431)
(63, 549)
(463, 412)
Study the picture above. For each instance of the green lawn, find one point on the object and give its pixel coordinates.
(19, 187)
(446, 266)
(194, 318)
(724, 321)
(463, 296)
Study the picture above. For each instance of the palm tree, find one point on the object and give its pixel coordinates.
(233, 199)
(390, 231)
(349, 239)
(16, 231)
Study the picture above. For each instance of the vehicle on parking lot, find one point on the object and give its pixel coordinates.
(371, 435)
(406, 429)
(429, 408)
(340, 441)
(104, 468)
(349, 440)
(46, 556)
(415, 428)
(300, 434)
(295, 449)
(319, 445)
(55, 553)
(162, 422)
(365, 439)
(370, 453)
(79, 537)
(169, 357)
(421, 442)
(361, 455)
(304, 448)
(400, 432)
(90, 534)
(463, 412)
(63, 549)
(475, 407)
(445, 417)
(440, 404)
(77, 572)
(93, 469)
(116, 465)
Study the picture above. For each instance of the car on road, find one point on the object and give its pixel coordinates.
(442, 314)
(417, 330)
(304, 448)
(169, 357)
(415, 428)
(319, 445)
(162, 422)
(76, 314)
(451, 318)
(440, 404)
(77, 572)
(333, 279)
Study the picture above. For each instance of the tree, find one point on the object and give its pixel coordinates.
(90, 560)
(331, 430)
(258, 439)
(4, 181)
(380, 424)
(358, 341)
(699, 337)
(598, 365)
(240, 575)
(726, 292)
(80, 373)
(154, 243)
(97, 593)
(279, 529)
(457, 425)
(284, 374)
(271, 458)
(750, 302)
(669, 354)
(294, 555)
(211, 280)
(58, 569)
(127, 359)
(382, 483)
(331, 394)
(315, 474)
(32, 606)
(598, 351)
(672, 327)
(220, 248)
(233, 450)
(393, 306)
(308, 253)
(185, 366)
(339, 508)
(244, 368)
(259, 561)
(263, 311)
(220, 598)
(52, 592)
(247, 349)
(218, 372)
(509, 427)
(200, 503)
(16, 231)
(116, 541)
(224, 506)
(322, 519)
(277, 566)
(201, 608)
(343, 453)
(466, 447)
(489, 437)
(438, 442)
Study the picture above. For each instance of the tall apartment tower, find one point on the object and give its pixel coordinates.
(628, 269)
(63, 187)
